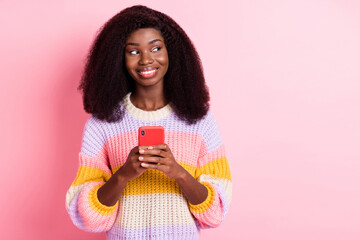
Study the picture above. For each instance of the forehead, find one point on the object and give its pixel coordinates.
(144, 35)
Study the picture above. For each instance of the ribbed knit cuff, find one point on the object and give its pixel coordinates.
(97, 205)
(205, 205)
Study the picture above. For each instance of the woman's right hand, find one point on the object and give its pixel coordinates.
(132, 167)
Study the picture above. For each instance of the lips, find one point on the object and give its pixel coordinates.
(148, 72)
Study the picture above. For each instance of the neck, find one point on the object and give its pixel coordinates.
(148, 99)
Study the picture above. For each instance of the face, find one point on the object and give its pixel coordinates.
(146, 57)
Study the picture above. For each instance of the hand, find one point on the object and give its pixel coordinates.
(159, 157)
(132, 168)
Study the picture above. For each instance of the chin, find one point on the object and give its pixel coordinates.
(148, 82)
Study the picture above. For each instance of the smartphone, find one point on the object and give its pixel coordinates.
(151, 135)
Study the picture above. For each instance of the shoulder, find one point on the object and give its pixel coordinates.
(94, 129)
(93, 124)
(94, 136)
(210, 132)
(208, 122)
(205, 124)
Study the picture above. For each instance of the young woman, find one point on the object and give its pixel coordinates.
(143, 70)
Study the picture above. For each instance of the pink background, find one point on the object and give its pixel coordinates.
(284, 78)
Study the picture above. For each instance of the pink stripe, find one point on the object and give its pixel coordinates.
(212, 216)
(184, 146)
(214, 155)
(99, 161)
(119, 147)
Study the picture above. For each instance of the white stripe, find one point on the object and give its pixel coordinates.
(146, 115)
(72, 192)
(142, 211)
(226, 184)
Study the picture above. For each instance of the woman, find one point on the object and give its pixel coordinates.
(143, 70)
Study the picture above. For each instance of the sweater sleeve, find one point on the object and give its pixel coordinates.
(82, 203)
(214, 173)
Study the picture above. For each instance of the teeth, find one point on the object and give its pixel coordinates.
(148, 72)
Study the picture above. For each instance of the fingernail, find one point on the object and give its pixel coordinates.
(141, 158)
(151, 147)
(141, 151)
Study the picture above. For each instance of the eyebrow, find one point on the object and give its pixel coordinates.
(136, 44)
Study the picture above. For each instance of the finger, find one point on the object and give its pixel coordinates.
(153, 166)
(135, 158)
(150, 159)
(136, 150)
(161, 146)
(156, 152)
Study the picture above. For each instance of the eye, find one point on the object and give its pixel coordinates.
(131, 52)
(158, 49)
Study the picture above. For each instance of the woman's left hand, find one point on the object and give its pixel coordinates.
(159, 157)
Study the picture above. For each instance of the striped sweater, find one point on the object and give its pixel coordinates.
(151, 206)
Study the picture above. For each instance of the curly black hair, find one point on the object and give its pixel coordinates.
(105, 80)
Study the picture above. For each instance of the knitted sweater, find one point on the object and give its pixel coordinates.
(151, 206)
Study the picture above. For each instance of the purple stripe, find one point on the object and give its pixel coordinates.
(222, 195)
(93, 138)
(96, 132)
(74, 212)
(188, 232)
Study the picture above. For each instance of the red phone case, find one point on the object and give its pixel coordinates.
(151, 135)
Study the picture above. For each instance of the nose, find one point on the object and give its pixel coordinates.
(146, 58)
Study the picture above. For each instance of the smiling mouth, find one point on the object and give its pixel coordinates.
(148, 74)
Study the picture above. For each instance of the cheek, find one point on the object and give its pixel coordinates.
(129, 64)
(163, 59)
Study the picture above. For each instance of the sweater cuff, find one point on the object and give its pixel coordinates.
(206, 204)
(97, 206)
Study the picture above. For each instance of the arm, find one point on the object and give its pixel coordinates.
(110, 192)
(194, 191)
(82, 203)
(214, 173)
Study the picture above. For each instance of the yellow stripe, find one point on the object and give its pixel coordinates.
(150, 182)
(205, 205)
(90, 174)
(188, 167)
(154, 181)
(97, 206)
(218, 168)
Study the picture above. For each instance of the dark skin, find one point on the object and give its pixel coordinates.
(145, 48)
